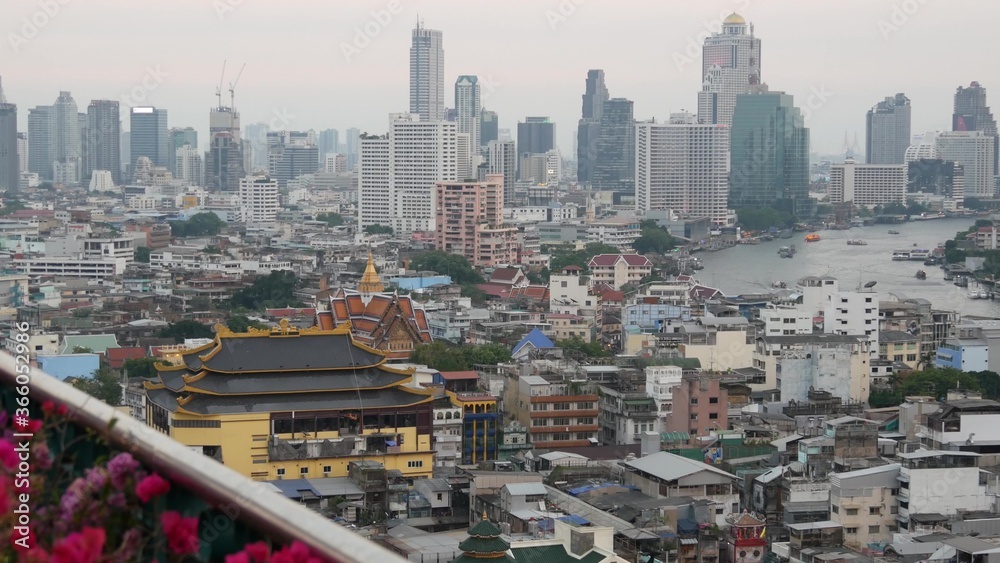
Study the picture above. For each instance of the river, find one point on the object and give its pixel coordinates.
(753, 268)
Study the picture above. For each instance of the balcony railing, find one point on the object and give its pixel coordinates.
(233, 510)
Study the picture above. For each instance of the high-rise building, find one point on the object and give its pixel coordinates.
(259, 202)
(973, 114)
(769, 154)
(329, 143)
(540, 169)
(10, 175)
(224, 163)
(352, 147)
(501, 158)
(22, 152)
(189, 166)
(126, 147)
(463, 154)
(468, 109)
(291, 154)
(489, 128)
(973, 150)
(867, 185)
(614, 167)
(939, 178)
(148, 135)
(887, 131)
(427, 74)
(41, 141)
(589, 130)
(730, 65)
(84, 138)
(255, 141)
(683, 166)
(178, 138)
(398, 173)
(104, 133)
(66, 157)
(536, 135)
(469, 222)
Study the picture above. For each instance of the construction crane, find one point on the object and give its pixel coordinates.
(232, 87)
(218, 89)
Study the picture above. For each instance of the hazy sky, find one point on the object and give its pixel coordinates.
(533, 54)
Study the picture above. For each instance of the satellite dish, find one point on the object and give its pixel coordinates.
(870, 285)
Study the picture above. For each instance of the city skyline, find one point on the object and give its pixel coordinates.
(364, 77)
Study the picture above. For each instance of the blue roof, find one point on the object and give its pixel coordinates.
(291, 487)
(587, 488)
(536, 339)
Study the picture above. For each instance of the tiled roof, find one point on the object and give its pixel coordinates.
(457, 375)
(504, 274)
(117, 356)
(612, 259)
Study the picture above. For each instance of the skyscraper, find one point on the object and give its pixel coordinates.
(467, 113)
(329, 142)
(148, 135)
(683, 166)
(104, 131)
(974, 150)
(769, 154)
(66, 155)
(291, 154)
(972, 114)
(398, 173)
(189, 166)
(40, 141)
(537, 135)
(22, 152)
(614, 167)
(589, 130)
(489, 128)
(255, 139)
(730, 66)
(352, 146)
(9, 162)
(427, 74)
(224, 158)
(502, 159)
(887, 131)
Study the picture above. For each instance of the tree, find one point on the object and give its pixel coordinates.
(331, 219)
(440, 356)
(199, 225)
(186, 329)
(564, 257)
(274, 290)
(103, 385)
(201, 303)
(936, 382)
(240, 323)
(142, 367)
(11, 206)
(487, 354)
(378, 230)
(142, 254)
(212, 249)
(588, 349)
(654, 241)
(82, 350)
(452, 265)
(762, 218)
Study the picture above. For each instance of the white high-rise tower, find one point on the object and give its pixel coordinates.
(427, 74)
(468, 112)
(730, 66)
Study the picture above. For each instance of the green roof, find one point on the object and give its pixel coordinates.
(683, 363)
(485, 529)
(99, 343)
(481, 545)
(674, 436)
(552, 554)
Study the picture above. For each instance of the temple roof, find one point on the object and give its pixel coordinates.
(370, 282)
(321, 401)
(285, 382)
(484, 542)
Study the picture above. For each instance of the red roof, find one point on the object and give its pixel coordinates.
(117, 356)
(32, 213)
(612, 259)
(458, 375)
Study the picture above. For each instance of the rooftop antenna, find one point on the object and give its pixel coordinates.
(232, 88)
(218, 90)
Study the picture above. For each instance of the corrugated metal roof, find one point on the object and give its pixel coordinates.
(670, 467)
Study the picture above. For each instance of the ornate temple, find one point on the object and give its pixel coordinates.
(484, 544)
(388, 322)
(289, 403)
(746, 541)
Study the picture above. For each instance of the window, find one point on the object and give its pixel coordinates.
(835, 509)
(413, 464)
(894, 510)
(440, 496)
(713, 400)
(303, 471)
(327, 469)
(560, 406)
(713, 416)
(694, 400)
(873, 510)
(874, 529)
(280, 471)
(852, 511)
(694, 417)
(851, 531)
(911, 357)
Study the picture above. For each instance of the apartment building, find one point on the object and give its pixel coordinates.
(941, 483)
(867, 185)
(557, 414)
(617, 270)
(864, 503)
(469, 222)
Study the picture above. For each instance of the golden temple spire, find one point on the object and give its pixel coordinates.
(370, 282)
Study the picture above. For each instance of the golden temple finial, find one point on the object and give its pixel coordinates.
(484, 515)
(370, 282)
(222, 329)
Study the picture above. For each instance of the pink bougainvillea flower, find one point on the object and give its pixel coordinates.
(8, 457)
(297, 552)
(151, 486)
(48, 407)
(181, 532)
(121, 467)
(252, 553)
(80, 547)
(61, 410)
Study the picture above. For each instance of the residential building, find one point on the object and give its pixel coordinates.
(700, 406)
(661, 381)
(399, 172)
(468, 109)
(148, 136)
(536, 135)
(868, 185)
(968, 346)
(309, 426)
(974, 151)
(900, 348)
(566, 326)
(614, 163)
(730, 66)
(769, 154)
(259, 202)
(887, 131)
(853, 313)
(617, 270)
(557, 414)
(10, 168)
(942, 483)
(589, 129)
(973, 114)
(825, 362)
(501, 158)
(541, 168)
(626, 414)
(22, 152)
(469, 222)
(683, 166)
(67, 150)
(291, 154)
(426, 75)
(188, 166)
(664, 474)
(41, 141)
(969, 424)
(104, 131)
(786, 321)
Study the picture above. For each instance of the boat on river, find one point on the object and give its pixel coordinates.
(921, 275)
(856, 242)
(812, 237)
(893, 232)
